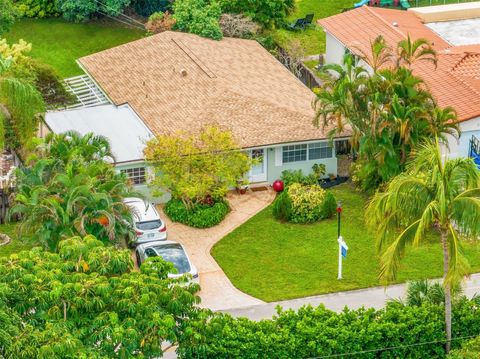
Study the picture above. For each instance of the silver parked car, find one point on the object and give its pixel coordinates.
(147, 223)
(169, 251)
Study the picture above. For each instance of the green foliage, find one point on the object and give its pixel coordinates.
(290, 177)
(87, 301)
(199, 216)
(74, 10)
(199, 17)
(269, 13)
(319, 170)
(37, 8)
(148, 7)
(390, 111)
(306, 202)
(197, 166)
(68, 189)
(318, 332)
(20, 99)
(469, 350)
(282, 207)
(8, 14)
(329, 206)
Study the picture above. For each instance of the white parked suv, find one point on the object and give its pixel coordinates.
(147, 223)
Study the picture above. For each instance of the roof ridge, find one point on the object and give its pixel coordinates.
(384, 21)
(458, 78)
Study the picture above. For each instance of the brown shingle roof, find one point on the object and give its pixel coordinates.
(177, 81)
(453, 83)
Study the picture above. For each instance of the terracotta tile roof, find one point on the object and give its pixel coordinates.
(177, 81)
(454, 82)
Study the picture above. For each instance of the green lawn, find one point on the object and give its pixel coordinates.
(60, 43)
(15, 245)
(313, 39)
(274, 261)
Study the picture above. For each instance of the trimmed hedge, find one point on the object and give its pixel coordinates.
(200, 216)
(317, 332)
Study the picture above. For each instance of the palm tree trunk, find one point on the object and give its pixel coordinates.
(448, 291)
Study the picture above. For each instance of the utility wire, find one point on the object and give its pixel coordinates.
(118, 12)
(121, 21)
(391, 348)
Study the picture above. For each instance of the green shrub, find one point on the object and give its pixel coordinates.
(296, 176)
(319, 170)
(199, 17)
(319, 332)
(269, 13)
(37, 8)
(306, 201)
(282, 207)
(329, 206)
(470, 350)
(200, 216)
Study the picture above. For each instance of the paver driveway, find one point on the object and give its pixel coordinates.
(217, 292)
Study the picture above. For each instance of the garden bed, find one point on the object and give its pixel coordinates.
(328, 183)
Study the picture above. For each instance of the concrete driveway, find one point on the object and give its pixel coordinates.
(217, 292)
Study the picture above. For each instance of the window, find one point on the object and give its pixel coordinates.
(312, 151)
(319, 150)
(136, 175)
(294, 153)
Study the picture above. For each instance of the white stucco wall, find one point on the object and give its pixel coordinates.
(334, 50)
(459, 147)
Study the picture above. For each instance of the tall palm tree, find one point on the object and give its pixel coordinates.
(409, 51)
(20, 101)
(379, 54)
(435, 194)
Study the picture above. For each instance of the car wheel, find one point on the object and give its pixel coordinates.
(138, 259)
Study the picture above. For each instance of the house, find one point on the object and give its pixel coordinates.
(454, 31)
(176, 81)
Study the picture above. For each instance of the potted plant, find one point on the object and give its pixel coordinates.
(242, 186)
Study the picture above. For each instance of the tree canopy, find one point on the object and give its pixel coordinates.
(388, 109)
(193, 166)
(87, 301)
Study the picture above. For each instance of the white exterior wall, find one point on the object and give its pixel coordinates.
(334, 50)
(459, 147)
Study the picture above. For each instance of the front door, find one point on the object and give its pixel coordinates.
(258, 172)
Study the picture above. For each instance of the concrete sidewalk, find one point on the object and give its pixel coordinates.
(370, 298)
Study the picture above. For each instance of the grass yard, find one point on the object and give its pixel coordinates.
(15, 245)
(60, 43)
(274, 261)
(312, 39)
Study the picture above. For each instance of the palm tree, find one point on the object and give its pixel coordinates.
(421, 49)
(71, 144)
(20, 101)
(435, 194)
(379, 55)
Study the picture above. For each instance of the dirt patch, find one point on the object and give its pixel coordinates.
(4, 239)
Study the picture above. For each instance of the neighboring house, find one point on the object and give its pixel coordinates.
(456, 38)
(176, 81)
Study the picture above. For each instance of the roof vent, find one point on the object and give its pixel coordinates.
(183, 72)
(395, 24)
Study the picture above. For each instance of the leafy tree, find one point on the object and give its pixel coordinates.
(269, 13)
(196, 166)
(149, 7)
(74, 10)
(436, 194)
(199, 17)
(87, 301)
(8, 13)
(20, 101)
(389, 111)
(71, 191)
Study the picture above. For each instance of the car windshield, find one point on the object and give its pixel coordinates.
(149, 225)
(174, 253)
